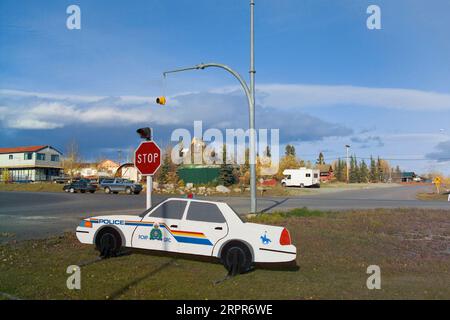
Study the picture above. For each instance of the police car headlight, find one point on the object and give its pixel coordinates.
(86, 224)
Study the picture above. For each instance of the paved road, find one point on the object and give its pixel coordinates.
(38, 214)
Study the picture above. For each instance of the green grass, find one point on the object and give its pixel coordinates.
(280, 216)
(432, 196)
(31, 187)
(334, 249)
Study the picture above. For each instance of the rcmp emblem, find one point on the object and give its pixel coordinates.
(156, 233)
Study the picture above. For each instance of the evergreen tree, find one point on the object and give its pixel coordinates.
(268, 153)
(380, 170)
(363, 172)
(357, 171)
(224, 153)
(339, 170)
(290, 150)
(344, 170)
(354, 170)
(165, 170)
(226, 174)
(373, 175)
(321, 159)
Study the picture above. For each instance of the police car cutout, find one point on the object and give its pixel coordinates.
(191, 226)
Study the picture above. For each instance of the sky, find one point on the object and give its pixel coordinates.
(322, 77)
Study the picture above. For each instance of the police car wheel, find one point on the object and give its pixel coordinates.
(302, 185)
(237, 259)
(72, 190)
(283, 185)
(107, 190)
(128, 190)
(108, 243)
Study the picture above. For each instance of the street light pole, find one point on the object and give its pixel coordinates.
(252, 71)
(251, 108)
(348, 162)
(250, 93)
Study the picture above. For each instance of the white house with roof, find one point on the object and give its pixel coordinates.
(32, 163)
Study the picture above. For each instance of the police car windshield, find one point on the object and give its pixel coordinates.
(143, 214)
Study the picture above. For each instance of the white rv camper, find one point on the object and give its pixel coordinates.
(301, 177)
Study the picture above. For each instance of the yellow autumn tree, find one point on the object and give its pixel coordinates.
(288, 162)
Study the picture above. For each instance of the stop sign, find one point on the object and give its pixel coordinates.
(147, 157)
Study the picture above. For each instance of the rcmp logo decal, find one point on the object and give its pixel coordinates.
(156, 233)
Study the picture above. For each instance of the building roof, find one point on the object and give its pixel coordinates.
(324, 167)
(408, 174)
(22, 149)
(108, 164)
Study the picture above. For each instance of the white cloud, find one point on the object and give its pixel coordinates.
(220, 110)
(27, 123)
(299, 96)
(51, 96)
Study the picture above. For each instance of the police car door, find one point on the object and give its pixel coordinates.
(156, 230)
(203, 225)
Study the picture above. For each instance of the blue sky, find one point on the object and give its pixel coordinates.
(322, 78)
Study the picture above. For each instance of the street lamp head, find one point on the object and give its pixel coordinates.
(145, 133)
(347, 146)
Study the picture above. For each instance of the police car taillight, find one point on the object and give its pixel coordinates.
(285, 238)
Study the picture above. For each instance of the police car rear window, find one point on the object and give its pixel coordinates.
(170, 210)
(207, 212)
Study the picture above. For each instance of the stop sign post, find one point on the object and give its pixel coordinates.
(147, 159)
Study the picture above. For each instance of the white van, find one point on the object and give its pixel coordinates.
(301, 177)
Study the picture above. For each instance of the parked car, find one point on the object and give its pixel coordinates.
(120, 185)
(81, 186)
(191, 226)
(60, 179)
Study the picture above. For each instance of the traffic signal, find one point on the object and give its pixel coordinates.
(161, 100)
(145, 133)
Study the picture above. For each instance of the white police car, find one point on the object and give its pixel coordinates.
(193, 227)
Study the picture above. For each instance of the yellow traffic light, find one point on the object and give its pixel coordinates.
(161, 100)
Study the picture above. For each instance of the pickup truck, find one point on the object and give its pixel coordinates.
(120, 185)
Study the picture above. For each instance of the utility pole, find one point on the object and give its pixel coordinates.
(348, 163)
(119, 156)
(252, 159)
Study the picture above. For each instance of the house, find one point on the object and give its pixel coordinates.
(408, 176)
(326, 172)
(32, 163)
(128, 171)
(104, 168)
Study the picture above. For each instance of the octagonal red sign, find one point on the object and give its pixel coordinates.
(147, 158)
